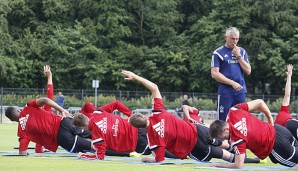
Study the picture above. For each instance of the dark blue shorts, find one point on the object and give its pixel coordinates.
(285, 150)
(203, 151)
(226, 101)
(73, 139)
(292, 126)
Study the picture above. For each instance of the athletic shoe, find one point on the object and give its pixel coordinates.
(263, 161)
(135, 154)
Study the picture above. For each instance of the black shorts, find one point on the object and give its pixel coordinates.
(73, 139)
(203, 151)
(292, 126)
(285, 150)
(142, 144)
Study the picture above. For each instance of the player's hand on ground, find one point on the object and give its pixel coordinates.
(86, 156)
(214, 164)
(147, 160)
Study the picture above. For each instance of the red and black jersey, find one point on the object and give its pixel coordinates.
(37, 125)
(195, 115)
(117, 133)
(248, 132)
(167, 131)
(283, 116)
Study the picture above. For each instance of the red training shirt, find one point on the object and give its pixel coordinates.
(283, 116)
(248, 132)
(117, 133)
(37, 125)
(167, 131)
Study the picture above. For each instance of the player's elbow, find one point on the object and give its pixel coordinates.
(238, 167)
(44, 100)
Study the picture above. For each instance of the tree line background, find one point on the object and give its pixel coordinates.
(167, 41)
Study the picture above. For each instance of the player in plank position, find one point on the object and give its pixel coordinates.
(246, 131)
(284, 117)
(168, 132)
(38, 124)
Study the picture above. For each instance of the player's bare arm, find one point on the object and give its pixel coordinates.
(148, 84)
(287, 96)
(47, 72)
(186, 109)
(44, 100)
(261, 106)
(238, 164)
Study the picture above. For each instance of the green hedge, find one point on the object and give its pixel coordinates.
(133, 103)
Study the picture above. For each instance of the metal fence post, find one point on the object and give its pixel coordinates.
(1, 105)
(82, 97)
(192, 98)
(42, 92)
(296, 100)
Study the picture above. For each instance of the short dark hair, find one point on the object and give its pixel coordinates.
(80, 120)
(138, 120)
(12, 113)
(216, 128)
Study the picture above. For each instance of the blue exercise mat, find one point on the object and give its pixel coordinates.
(251, 168)
(46, 154)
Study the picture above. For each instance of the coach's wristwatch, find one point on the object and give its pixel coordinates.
(238, 57)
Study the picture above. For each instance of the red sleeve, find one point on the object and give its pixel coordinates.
(100, 150)
(159, 154)
(23, 144)
(285, 109)
(100, 147)
(243, 106)
(157, 104)
(241, 148)
(88, 108)
(32, 103)
(110, 107)
(50, 92)
(38, 148)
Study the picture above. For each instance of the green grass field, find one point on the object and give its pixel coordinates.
(53, 163)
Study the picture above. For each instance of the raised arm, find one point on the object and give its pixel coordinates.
(245, 66)
(286, 99)
(148, 84)
(46, 101)
(261, 106)
(110, 107)
(50, 88)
